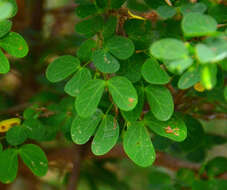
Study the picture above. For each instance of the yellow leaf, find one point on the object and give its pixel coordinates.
(5, 125)
(135, 16)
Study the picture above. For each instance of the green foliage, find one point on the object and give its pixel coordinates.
(62, 67)
(77, 82)
(83, 128)
(189, 78)
(138, 146)
(14, 44)
(89, 98)
(120, 47)
(16, 135)
(9, 165)
(34, 157)
(168, 49)
(130, 82)
(153, 73)
(174, 129)
(123, 93)
(106, 136)
(197, 24)
(4, 66)
(160, 101)
(105, 62)
(5, 27)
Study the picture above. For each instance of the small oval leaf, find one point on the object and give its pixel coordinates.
(153, 73)
(168, 49)
(61, 68)
(198, 24)
(123, 92)
(174, 129)
(160, 101)
(8, 165)
(120, 47)
(106, 136)
(89, 98)
(105, 62)
(138, 146)
(77, 82)
(14, 44)
(83, 128)
(34, 157)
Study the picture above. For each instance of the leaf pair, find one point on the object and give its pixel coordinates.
(105, 137)
(32, 156)
(121, 89)
(29, 129)
(117, 46)
(12, 43)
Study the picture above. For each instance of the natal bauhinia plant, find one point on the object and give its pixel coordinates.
(135, 76)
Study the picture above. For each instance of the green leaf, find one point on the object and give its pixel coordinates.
(106, 136)
(14, 6)
(61, 68)
(138, 146)
(86, 27)
(121, 47)
(83, 128)
(195, 7)
(218, 11)
(166, 11)
(154, 3)
(153, 73)
(89, 98)
(77, 82)
(84, 52)
(123, 93)
(8, 165)
(116, 4)
(179, 66)
(110, 27)
(5, 10)
(85, 10)
(4, 63)
(174, 129)
(105, 62)
(136, 112)
(195, 134)
(131, 68)
(5, 27)
(34, 157)
(225, 93)
(34, 127)
(102, 3)
(185, 176)
(14, 44)
(1, 148)
(139, 6)
(218, 45)
(160, 101)
(203, 184)
(197, 24)
(204, 53)
(8, 9)
(16, 135)
(189, 78)
(208, 76)
(216, 166)
(168, 49)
